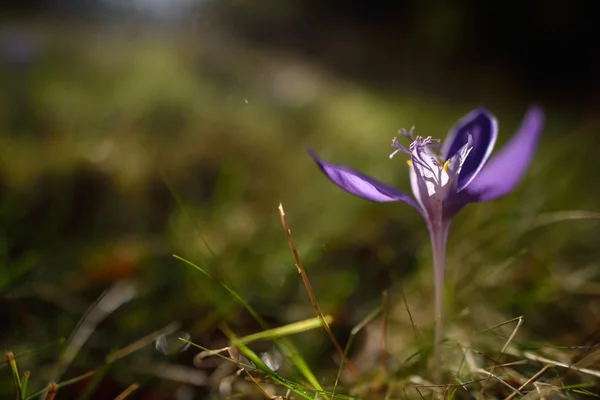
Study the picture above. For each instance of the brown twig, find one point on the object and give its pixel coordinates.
(52, 389)
(497, 362)
(253, 379)
(544, 360)
(311, 294)
(132, 388)
(497, 378)
(530, 380)
(140, 343)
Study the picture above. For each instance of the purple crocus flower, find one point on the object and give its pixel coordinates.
(446, 178)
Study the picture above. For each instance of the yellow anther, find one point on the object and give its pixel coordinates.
(445, 167)
(409, 162)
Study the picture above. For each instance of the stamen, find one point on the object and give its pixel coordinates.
(399, 147)
(409, 134)
(445, 167)
(416, 150)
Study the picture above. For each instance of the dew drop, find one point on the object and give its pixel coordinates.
(171, 343)
(272, 359)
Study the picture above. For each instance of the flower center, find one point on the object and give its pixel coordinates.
(423, 153)
(419, 147)
(418, 142)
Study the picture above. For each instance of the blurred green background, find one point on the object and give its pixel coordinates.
(131, 131)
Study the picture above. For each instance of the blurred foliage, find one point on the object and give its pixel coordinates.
(122, 146)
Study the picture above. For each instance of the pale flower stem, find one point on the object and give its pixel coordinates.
(439, 235)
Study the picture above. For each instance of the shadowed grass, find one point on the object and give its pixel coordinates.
(96, 374)
(524, 373)
(355, 330)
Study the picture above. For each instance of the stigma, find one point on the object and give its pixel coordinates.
(417, 145)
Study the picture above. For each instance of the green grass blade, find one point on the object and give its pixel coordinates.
(24, 383)
(63, 384)
(286, 330)
(285, 346)
(232, 292)
(260, 364)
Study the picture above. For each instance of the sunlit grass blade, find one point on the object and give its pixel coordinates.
(274, 376)
(260, 364)
(286, 330)
(285, 346)
(276, 333)
(290, 351)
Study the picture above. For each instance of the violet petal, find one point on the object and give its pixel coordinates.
(505, 170)
(455, 202)
(361, 185)
(483, 128)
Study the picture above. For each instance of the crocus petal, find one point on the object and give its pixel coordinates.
(429, 170)
(361, 185)
(419, 188)
(433, 183)
(504, 171)
(457, 162)
(414, 185)
(483, 128)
